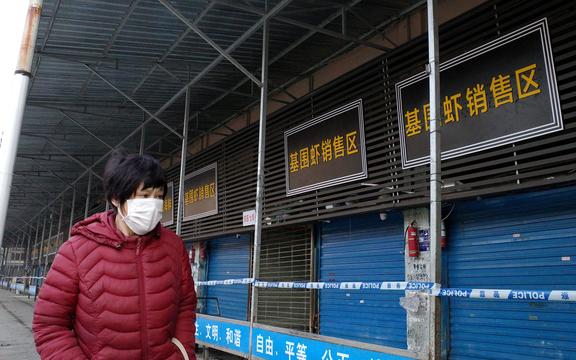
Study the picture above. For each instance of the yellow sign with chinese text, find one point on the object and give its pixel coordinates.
(500, 93)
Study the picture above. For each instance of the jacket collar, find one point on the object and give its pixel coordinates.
(101, 228)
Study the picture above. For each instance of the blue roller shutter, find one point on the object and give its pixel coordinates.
(363, 248)
(525, 241)
(228, 258)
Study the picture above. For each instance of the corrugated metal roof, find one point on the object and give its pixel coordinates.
(149, 54)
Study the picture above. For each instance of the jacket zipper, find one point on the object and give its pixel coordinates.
(144, 334)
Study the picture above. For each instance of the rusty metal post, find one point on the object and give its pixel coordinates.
(12, 124)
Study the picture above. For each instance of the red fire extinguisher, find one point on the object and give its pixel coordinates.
(412, 240)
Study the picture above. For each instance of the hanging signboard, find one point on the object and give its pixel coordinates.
(326, 151)
(499, 93)
(168, 213)
(201, 193)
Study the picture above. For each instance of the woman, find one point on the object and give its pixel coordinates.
(120, 287)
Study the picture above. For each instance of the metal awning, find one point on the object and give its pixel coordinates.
(104, 67)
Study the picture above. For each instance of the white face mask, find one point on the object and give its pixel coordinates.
(143, 214)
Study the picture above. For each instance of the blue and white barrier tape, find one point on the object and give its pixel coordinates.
(509, 294)
(398, 285)
(429, 287)
(225, 282)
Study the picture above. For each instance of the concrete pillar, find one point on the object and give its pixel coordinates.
(418, 269)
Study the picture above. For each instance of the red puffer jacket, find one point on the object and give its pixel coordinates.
(108, 296)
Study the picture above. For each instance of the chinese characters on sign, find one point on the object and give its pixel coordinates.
(476, 100)
(332, 149)
(249, 217)
(499, 93)
(201, 193)
(168, 209)
(273, 344)
(223, 334)
(326, 150)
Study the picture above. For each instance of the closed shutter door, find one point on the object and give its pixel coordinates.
(363, 248)
(285, 256)
(228, 258)
(523, 241)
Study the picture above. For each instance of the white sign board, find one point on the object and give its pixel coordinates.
(249, 218)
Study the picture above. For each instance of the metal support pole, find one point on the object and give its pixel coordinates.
(8, 265)
(72, 212)
(5, 261)
(24, 251)
(87, 207)
(14, 256)
(26, 255)
(42, 241)
(14, 248)
(45, 256)
(260, 179)
(60, 222)
(435, 177)
(180, 210)
(4, 255)
(30, 260)
(12, 124)
(21, 253)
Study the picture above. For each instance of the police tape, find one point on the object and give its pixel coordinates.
(245, 281)
(427, 287)
(508, 294)
(395, 285)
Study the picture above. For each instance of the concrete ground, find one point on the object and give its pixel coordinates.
(16, 339)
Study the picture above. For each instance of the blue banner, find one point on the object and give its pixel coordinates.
(226, 335)
(271, 345)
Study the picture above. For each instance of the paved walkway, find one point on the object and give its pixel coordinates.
(16, 339)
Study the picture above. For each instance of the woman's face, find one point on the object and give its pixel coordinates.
(141, 193)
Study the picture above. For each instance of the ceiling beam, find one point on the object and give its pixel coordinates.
(321, 30)
(211, 42)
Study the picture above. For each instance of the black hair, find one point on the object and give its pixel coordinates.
(124, 174)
